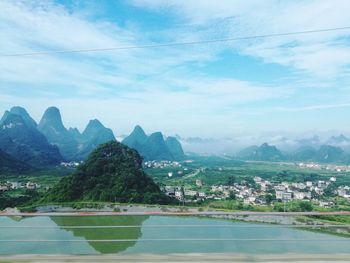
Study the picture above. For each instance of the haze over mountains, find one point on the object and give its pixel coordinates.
(322, 154)
(232, 146)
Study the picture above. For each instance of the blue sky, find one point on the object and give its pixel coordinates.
(292, 85)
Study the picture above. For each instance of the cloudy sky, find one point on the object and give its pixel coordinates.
(288, 84)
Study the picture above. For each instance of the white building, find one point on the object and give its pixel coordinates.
(202, 195)
(309, 184)
(333, 179)
(31, 186)
(299, 195)
(190, 193)
(279, 194)
(287, 196)
(179, 194)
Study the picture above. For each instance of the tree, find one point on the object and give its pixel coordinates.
(269, 198)
(232, 196)
(231, 180)
(305, 206)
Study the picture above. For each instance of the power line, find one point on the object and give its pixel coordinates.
(174, 44)
(172, 239)
(177, 226)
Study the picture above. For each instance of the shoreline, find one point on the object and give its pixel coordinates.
(298, 220)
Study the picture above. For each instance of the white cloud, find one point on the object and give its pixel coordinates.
(158, 88)
(321, 54)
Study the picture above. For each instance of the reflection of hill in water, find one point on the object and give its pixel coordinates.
(17, 218)
(104, 233)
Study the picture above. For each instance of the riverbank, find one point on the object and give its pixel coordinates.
(310, 221)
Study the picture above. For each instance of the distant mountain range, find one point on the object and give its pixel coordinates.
(72, 144)
(263, 152)
(229, 146)
(49, 142)
(266, 152)
(154, 147)
(24, 143)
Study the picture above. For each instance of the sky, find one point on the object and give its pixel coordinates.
(287, 85)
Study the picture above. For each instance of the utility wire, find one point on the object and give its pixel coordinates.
(176, 226)
(171, 239)
(175, 44)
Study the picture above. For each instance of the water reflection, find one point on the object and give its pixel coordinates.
(104, 233)
(158, 235)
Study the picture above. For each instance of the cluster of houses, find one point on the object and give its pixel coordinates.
(299, 191)
(7, 186)
(162, 164)
(256, 194)
(344, 191)
(330, 167)
(183, 194)
(71, 164)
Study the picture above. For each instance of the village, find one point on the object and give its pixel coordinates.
(8, 186)
(330, 167)
(262, 192)
(162, 164)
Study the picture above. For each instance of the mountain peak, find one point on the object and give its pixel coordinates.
(157, 136)
(94, 123)
(94, 134)
(138, 128)
(24, 114)
(93, 126)
(265, 152)
(335, 140)
(139, 131)
(155, 148)
(265, 144)
(52, 127)
(52, 117)
(136, 138)
(10, 120)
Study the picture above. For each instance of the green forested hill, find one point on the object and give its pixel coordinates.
(112, 172)
(9, 164)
